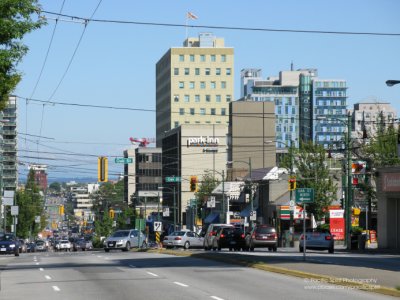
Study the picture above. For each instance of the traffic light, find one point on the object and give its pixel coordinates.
(102, 169)
(292, 184)
(111, 213)
(193, 183)
(61, 209)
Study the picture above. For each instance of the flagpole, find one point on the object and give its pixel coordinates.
(186, 27)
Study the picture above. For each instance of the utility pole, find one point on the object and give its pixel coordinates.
(349, 184)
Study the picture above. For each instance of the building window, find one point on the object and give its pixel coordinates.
(223, 111)
(196, 98)
(181, 111)
(191, 57)
(191, 85)
(213, 57)
(218, 71)
(228, 98)
(187, 71)
(213, 111)
(213, 85)
(197, 71)
(217, 98)
(228, 71)
(176, 71)
(208, 98)
(181, 57)
(181, 85)
(223, 84)
(202, 57)
(192, 111)
(176, 124)
(176, 98)
(202, 111)
(202, 84)
(208, 71)
(223, 58)
(187, 98)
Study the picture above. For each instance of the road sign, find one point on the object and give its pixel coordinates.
(8, 201)
(14, 210)
(304, 195)
(165, 212)
(291, 204)
(253, 215)
(172, 179)
(124, 160)
(211, 202)
(158, 226)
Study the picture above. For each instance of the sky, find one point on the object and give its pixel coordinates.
(113, 64)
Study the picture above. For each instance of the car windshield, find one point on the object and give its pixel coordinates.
(264, 230)
(7, 237)
(39, 243)
(178, 233)
(121, 233)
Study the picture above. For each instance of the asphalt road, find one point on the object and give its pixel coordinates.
(143, 275)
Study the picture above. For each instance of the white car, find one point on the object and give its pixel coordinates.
(185, 239)
(63, 245)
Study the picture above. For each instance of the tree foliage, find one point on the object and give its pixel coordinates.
(30, 203)
(312, 171)
(15, 21)
(207, 184)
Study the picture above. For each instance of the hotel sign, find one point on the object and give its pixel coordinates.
(391, 182)
(209, 144)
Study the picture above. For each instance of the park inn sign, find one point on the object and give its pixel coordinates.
(209, 144)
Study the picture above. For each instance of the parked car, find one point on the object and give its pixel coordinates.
(22, 246)
(9, 244)
(63, 245)
(317, 239)
(186, 239)
(124, 240)
(31, 247)
(84, 244)
(262, 236)
(210, 234)
(41, 245)
(232, 238)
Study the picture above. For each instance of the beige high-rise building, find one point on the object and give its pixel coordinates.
(194, 84)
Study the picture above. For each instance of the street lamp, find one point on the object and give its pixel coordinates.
(174, 194)
(349, 189)
(392, 82)
(158, 207)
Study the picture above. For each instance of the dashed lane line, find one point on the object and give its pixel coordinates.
(56, 288)
(41, 269)
(180, 283)
(216, 298)
(152, 274)
(47, 277)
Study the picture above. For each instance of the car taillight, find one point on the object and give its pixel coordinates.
(273, 236)
(301, 237)
(222, 235)
(328, 237)
(178, 238)
(212, 233)
(253, 236)
(242, 235)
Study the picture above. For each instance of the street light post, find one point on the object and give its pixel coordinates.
(392, 82)
(174, 195)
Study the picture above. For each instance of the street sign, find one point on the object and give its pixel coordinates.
(158, 226)
(172, 179)
(165, 212)
(8, 201)
(291, 204)
(211, 202)
(304, 195)
(123, 160)
(14, 210)
(37, 219)
(253, 215)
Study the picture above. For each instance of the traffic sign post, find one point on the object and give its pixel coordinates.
(253, 215)
(304, 195)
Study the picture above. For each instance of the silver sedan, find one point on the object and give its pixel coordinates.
(318, 239)
(185, 239)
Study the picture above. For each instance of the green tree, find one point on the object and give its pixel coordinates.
(207, 184)
(30, 203)
(55, 187)
(15, 21)
(312, 171)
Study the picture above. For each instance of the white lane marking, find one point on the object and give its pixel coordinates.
(181, 284)
(99, 256)
(132, 266)
(41, 269)
(56, 288)
(216, 298)
(47, 277)
(37, 264)
(152, 274)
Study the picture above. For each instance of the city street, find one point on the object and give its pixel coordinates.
(143, 275)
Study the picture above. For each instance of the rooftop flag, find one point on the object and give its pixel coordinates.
(191, 16)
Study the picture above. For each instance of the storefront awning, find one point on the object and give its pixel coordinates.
(246, 211)
(212, 218)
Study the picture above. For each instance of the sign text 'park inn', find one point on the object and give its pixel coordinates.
(209, 144)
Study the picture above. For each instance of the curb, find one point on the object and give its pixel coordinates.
(237, 260)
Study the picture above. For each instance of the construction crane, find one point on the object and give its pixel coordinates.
(143, 142)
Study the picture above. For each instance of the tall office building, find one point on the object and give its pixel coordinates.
(9, 145)
(194, 84)
(306, 107)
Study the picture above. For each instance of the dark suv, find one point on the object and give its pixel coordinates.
(262, 236)
(9, 244)
(211, 232)
(232, 238)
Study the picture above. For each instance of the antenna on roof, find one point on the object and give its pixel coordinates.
(291, 66)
